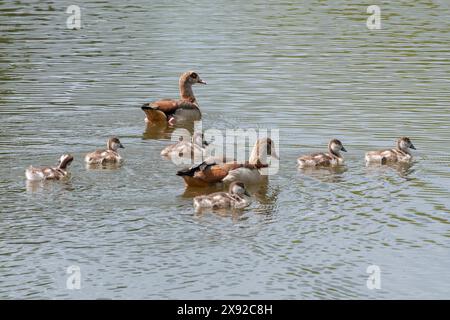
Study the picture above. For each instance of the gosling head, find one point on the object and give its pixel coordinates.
(191, 77)
(64, 161)
(404, 143)
(336, 146)
(238, 188)
(114, 144)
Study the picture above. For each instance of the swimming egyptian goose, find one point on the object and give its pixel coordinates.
(209, 172)
(400, 154)
(108, 155)
(170, 110)
(332, 158)
(237, 197)
(50, 173)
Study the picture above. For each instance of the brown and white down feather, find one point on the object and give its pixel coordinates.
(108, 155)
(332, 158)
(50, 173)
(237, 197)
(400, 153)
(193, 149)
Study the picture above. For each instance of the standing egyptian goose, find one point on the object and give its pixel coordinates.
(210, 172)
(237, 197)
(400, 154)
(108, 155)
(332, 158)
(171, 110)
(50, 173)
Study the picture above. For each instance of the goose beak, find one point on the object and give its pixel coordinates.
(343, 149)
(412, 147)
(201, 81)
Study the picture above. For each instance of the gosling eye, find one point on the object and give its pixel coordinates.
(194, 75)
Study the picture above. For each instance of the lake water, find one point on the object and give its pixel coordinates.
(312, 70)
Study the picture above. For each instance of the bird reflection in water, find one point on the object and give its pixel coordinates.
(48, 186)
(104, 166)
(332, 174)
(163, 131)
(403, 169)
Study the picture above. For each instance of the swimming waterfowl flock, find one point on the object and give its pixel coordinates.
(216, 170)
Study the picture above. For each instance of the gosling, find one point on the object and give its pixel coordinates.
(50, 173)
(237, 197)
(106, 156)
(400, 153)
(322, 159)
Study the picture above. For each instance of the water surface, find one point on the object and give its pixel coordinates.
(312, 70)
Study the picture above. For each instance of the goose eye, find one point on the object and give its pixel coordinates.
(194, 75)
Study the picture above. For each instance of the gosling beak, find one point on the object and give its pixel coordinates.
(121, 146)
(247, 194)
(412, 147)
(343, 149)
(201, 81)
(274, 154)
(205, 143)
